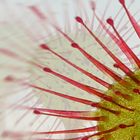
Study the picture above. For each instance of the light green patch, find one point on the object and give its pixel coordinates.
(125, 117)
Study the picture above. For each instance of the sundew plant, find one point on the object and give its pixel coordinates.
(70, 70)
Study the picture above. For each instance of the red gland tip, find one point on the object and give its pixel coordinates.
(122, 2)
(44, 46)
(74, 45)
(47, 69)
(93, 5)
(122, 126)
(9, 78)
(5, 134)
(136, 90)
(116, 65)
(36, 112)
(79, 19)
(110, 21)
